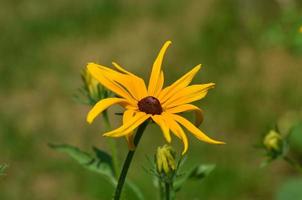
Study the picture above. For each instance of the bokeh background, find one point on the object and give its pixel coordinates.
(250, 49)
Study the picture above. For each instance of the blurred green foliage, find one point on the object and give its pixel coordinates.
(295, 138)
(2, 169)
(250, 49)
(290, 190)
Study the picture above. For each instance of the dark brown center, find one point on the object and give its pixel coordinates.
(150, 105)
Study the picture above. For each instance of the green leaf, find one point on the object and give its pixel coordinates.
(290, 190)
(198, 172)
(103, 156)
(2, 169)
(101, 164)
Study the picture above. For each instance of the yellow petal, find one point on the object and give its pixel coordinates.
(160, 84)
(126, 81)
(140, 88)
(123, 85)
(159, 161)
(129, 126)
(99, 73)
(156, 69)
(194, 130)
(158, 119)
(165, 164)
(189, 94)
(118, 67)
(177, 130)
(170, 159)
(188, 107)
(102, 105)
(128, 114)
(178, 85)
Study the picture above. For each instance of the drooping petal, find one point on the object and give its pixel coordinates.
(178, 85)
(127, 116)
(188, 107)
(177, 130)
(194, 130)
(189, 94)
(139, 84)
(128, 127)
(102, 105)
(156, 69)
(158, 119)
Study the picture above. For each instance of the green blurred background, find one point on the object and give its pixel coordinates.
(250, 49)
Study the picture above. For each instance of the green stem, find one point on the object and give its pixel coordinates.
(161, 189)
(128, 161)
(167, 190)
(293, 163)
(112, 144)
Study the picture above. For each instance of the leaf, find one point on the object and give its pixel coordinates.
(103, 156)
(290, 190)
(101, 164)
(2, 169)
(196, 173)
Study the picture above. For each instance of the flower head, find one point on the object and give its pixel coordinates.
(141, 103)
(300, 29)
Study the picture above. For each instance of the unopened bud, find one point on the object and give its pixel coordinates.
(91, 84)
(165, 159)
(273, 141)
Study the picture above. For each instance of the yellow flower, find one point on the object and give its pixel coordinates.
(273, 141)
(165, 159)
(160, 104)
(300, 29)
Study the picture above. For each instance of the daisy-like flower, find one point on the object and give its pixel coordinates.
(162, 105)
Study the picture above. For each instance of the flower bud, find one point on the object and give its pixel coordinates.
(273, 141)
(91, 84)
(165, 159)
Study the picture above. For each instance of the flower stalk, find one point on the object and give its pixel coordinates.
(167, 190)
(128, 161)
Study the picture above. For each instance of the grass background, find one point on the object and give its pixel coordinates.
(250, 49)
